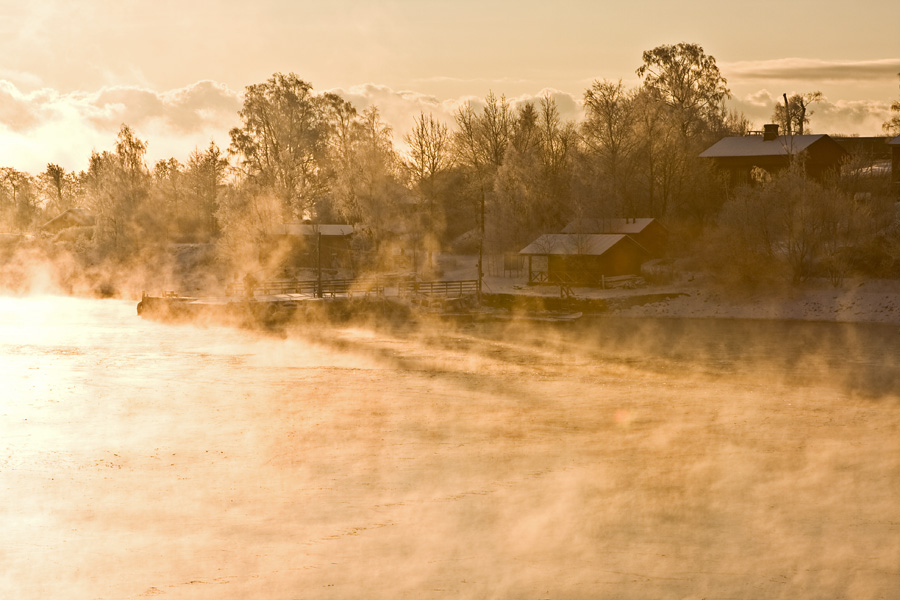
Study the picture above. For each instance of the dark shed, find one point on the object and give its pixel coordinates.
(574, 258)
(772, 152)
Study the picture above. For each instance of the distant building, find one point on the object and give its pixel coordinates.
(647, 232)
(582, 258)
(303, 243)
(773, 152)
(74, 217)
(895, 164)
(870, 148)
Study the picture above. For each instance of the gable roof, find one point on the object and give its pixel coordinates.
(756, 145)
(309, 229)
(895, 141)
(593, 244)
(73, 217)
(611, 225)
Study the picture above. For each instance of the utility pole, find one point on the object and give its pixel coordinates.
(318, 264)
(481, 245)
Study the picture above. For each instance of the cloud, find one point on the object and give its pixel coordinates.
(807, 69)
(185, 110)
(400, 108)
(20, 78)
(17, 112)
(838, 117)
(852, 116)
(48, 126)
(490, 81)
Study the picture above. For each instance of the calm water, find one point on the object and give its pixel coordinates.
(620, 459)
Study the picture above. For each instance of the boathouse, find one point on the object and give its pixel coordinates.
(582, 259)
(767, 150)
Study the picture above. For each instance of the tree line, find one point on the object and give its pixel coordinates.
(490, 181)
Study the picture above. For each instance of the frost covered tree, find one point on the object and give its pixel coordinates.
(282, 144)
(688, 81)
(892, 125)
(118, 186)
(794, 117)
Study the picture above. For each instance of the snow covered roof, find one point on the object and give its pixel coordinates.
(611, 225)
(756, 145)
(575, 243)
(895, 141)
(74, 217)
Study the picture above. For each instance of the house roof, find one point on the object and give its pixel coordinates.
(755, 145)
(591, 244)
(309, 229)
(73, 217)
(611, 225)
(895, 141)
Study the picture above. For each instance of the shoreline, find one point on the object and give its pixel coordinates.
(856, 301)
(866, 302)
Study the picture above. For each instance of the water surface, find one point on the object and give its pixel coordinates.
(609, 459)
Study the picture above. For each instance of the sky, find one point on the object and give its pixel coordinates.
(72, 73)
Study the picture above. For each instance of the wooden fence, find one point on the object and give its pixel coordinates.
(330, 288)
(443, 289)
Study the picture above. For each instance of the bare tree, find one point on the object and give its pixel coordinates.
(524, 133)
(609, 132)
(167, 195)
(283, 139)
(480, 144)
(793, 116)
(496, 128)
(205, 180)
(892, 125)
(118, 185)
(18, 202)
(57, 188)
(429, 159)
(804, 225)
(429, 150)
(687, 80)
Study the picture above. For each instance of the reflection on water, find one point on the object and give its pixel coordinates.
(608, 458)
(863, 357)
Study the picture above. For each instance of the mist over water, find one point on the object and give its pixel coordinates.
(610, 459)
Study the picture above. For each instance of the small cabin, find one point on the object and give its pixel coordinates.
(648, 232)
(74, 217)
(582, 259)
(739, 155)
(306, 244)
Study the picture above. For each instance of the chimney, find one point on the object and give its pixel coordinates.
(770, 132)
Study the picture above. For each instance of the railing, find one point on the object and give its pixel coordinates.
(585, 278)
(444, 289)
(330, 288)
(535, 277)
